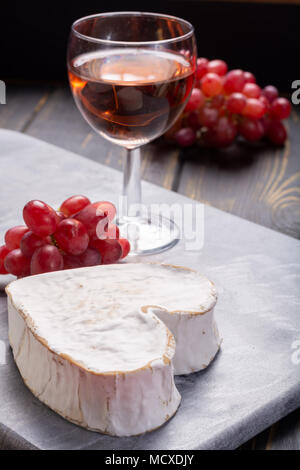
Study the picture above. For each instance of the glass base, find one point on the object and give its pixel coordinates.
(148, 237)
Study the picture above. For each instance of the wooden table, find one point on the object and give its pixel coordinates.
(257, 182)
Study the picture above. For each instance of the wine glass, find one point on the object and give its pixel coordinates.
(131, 74)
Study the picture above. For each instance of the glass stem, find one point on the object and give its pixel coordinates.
(132, 191)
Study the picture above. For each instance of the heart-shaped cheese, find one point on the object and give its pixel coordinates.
(90, 343)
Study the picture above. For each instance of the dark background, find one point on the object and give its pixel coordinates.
(262, 38)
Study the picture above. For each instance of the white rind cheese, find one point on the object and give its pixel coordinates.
(196, 336)
(91, 344)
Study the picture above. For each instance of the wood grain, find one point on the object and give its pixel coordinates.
(23, 103)
(258, 182)
(60, 123)
(284, 435)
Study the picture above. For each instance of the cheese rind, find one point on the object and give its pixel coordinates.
(90, 343)
(119, 404)
(196, 336)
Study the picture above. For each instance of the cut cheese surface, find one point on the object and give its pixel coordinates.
(103, 318)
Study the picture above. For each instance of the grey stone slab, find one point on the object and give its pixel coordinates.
(253, 381)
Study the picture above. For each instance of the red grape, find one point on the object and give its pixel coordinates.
(222, 111)
(17, 264)
(249, 77)
(217, 66)
(276, 132)
(234, 81)
(193, 120)
(254, 108)
(211, 84)
(112, 232)
(270, 92)
(201, 68)
(251, 129)
(96, 216)
(72, 236)
(251, 90)
(209, 138)
(265, 101)
(196, 100)
(30, 242)
(3, 253)
(281, 108)
(90, 257)
(208, 116)
(225, 132)
(265, 120)
(71, 262)
(217, 101)
(236, 103)
(185, 137)
(125, 247)
(110, 250)
(222, 95)
(46, 259)
(60, 216)
(74, 204)
(14, 236)
(40, 218)
(108, 208)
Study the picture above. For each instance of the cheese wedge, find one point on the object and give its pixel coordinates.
(90, 342)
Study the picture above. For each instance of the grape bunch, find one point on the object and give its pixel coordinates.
(79, 234)
(224, 104)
